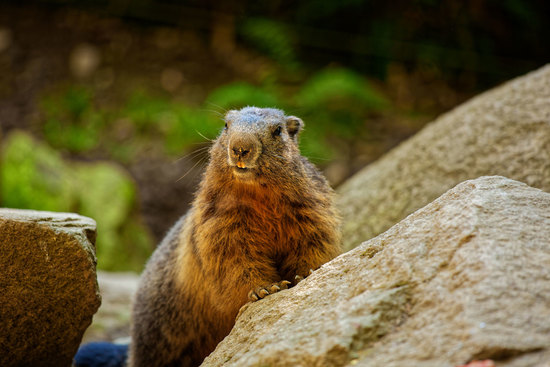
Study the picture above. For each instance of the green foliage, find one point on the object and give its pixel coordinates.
(34, 176)
(271, 38)
(108, 194)
(145, 111)
(71, 121)
(238, 95)
(188, 126)
(338, 103)
(314, 143)
(339, 89)
(177, 126)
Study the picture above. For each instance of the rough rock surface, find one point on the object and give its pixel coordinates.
(48, 286)
(466, 277)
(505, 131)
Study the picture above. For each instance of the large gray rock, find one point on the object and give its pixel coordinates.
(505, 131)
(48, 286)
(466, 277)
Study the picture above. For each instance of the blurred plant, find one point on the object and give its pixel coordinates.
(338, 88)
(34, 176)
(107, 194)
(177, 126)
(271, 38)
(188, 126)
(240, 94)
(338, 102)
(71, 121)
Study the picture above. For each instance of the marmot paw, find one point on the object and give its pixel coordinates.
(260, 292)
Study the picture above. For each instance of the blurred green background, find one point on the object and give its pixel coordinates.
(107, 107)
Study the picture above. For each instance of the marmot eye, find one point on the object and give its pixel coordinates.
(226, 125)
(277, 131)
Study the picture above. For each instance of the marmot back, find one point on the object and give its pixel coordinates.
(263, 215)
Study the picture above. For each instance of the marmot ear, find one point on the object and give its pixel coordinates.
(294, 125)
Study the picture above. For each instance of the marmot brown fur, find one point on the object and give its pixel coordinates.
(262, 216)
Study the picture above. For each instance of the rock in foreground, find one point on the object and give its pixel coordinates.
(49, 287)
(505, 132)
(464, 278)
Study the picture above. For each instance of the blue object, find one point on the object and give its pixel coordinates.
(101, 354)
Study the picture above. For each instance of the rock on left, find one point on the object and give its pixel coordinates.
(48, 284)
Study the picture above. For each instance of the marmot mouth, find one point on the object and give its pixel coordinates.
(244, 172)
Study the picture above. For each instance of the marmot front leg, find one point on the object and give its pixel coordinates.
(262, 291)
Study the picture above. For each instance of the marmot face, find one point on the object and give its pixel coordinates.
(256, 142)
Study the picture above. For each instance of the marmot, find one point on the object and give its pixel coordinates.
(263, 215)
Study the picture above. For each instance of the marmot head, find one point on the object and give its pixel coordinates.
(257, 142)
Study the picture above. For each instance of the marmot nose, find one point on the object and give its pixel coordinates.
(242, 147)
(241, 152)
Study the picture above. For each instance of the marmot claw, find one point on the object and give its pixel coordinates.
(298, 278)
(261, 292)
